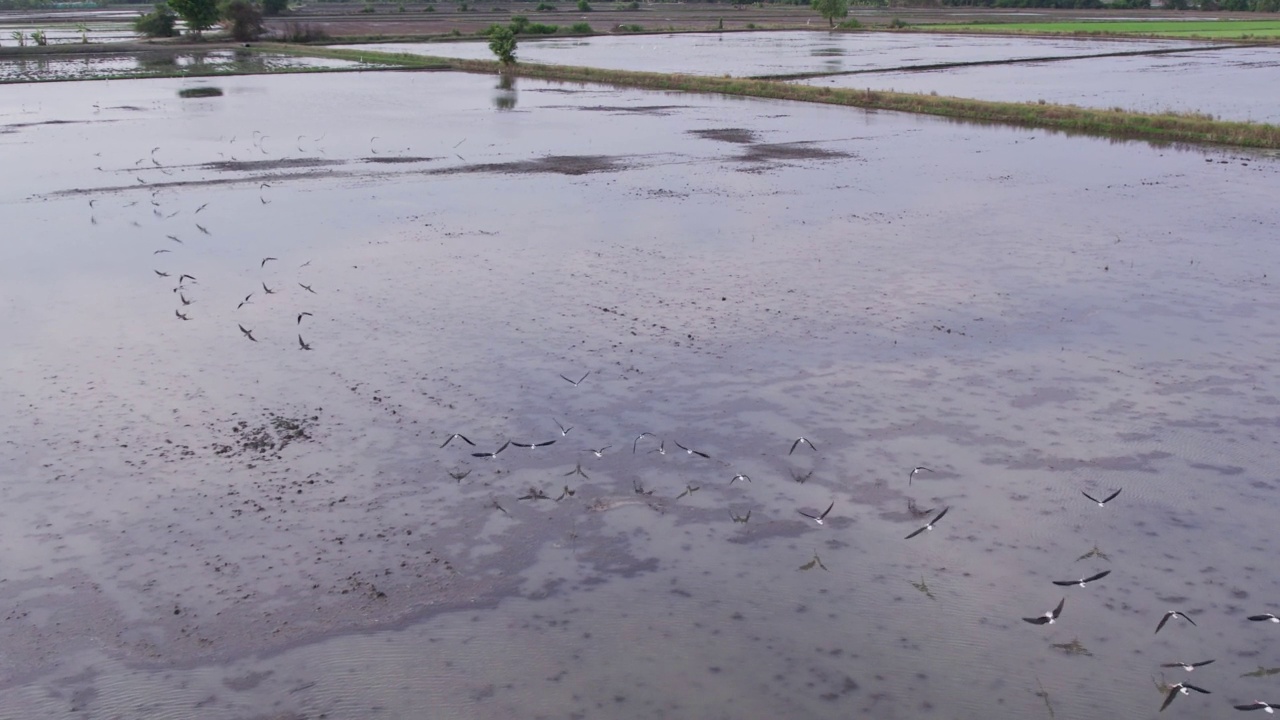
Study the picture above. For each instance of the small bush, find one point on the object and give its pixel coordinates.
(898, 23)
(581, 28)
(541, 29)
(584, 6)
(503, 44)
(159, 23)
(368, 8)
(850, 24)
(630, 28)
(200, 92)
(429, 8)
(545, 7)
(751, 26)
(39, 38)
(519, 23)
(243, 18)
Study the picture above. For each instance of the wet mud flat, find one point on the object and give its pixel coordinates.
(199, 521)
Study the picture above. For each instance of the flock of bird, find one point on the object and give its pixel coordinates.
(1050, 617)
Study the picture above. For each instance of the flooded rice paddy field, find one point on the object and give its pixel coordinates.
(199, 522)
(161, 63)
(1221, 82)
(783, 52)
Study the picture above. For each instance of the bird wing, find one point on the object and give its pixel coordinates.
(1260, 618)
(793, 446)
(1169, 698)
(1163, 620)
(568, 380)
(824, 512)
(1066, 583)
(1037, 620)
(1111, 497)
(811, 517)
(1197, 689)
(1199, 664)
(917, 532)
(1089, 496)
(944, 512)
(1099, 576)
(1058, 610)
(1184, 617)
(1255, 706)
(544, 444)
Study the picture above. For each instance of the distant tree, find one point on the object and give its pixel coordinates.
(503, 44)
(159, 23)
(200, 15)
(275, 7)
(243, 19)
(832, 9)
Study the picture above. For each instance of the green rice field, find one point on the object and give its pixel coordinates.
(1217, 29)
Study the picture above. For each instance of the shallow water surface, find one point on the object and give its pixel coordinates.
(161, 63)
(776, 53)
(199, 523)
(1221, 82)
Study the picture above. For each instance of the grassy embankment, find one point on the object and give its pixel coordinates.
(1154, 127)
(1182, 29)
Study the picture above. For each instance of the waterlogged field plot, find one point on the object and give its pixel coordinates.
(1221, 82)
(162, 63)
(778, 53)
(240, 330)
(1210, 29)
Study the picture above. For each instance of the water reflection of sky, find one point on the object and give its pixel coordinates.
(1031, 315)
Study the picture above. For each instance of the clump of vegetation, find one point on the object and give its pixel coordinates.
(545, 7)
(503, 44)
(630, 28)
(368, 8)
(199, 15)
(898, 24)
(20, 36)
(302, 32)
(584, 6)
(850, 24)
(243, 19)
(84, 33)
(39, 38)
(160, 23)
(581, 28)
(831, 10)
(200, 92)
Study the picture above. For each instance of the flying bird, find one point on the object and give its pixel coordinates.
(157, 252)
(816, 561)
(458, 475)
(303, 345)
(598, 453)
(265, 261)
(268, 290)
(180, 315)
(689, 490)
(1180, 688)
(245, 301)
(533, 445)
(1109, 498)
(1049, 617)
(1259, 705)
(740, 518)
(197, 212)
(504, 510)
(493, 454)
(185, 276)
(563, 430)
(161, 274)
(638, 438)
(247, 333)
(307, 288)
(575, 384)
(184, 299)
(691, 451)
(201, 228)
(1081, 582)
(1265, 617)
(300, 316)
(661, 449)
(1173, 614)
(577, 471)
(929, 526)
(917, 469)
(738, 477)
(804, 440)
(175, 239)
(1187, 666)
(459, 436)
(818, 518)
